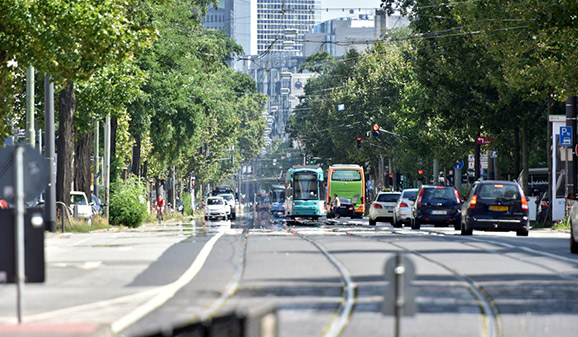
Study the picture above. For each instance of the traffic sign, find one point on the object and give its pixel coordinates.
(36, 176)
(459, 165)
(565, 136)
(483, 140)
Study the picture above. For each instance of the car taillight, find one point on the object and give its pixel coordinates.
(524, 203)
(457, 195)
(403, 204)
(377, 206)
(418, 201)
(474, 201)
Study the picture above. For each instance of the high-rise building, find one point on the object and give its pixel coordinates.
(276, 17)
(238, 20)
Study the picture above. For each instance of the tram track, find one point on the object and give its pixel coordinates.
(343, 313)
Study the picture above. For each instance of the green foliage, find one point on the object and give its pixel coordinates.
(187, 203)
(127, 203)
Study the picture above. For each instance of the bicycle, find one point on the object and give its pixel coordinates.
(159, 215)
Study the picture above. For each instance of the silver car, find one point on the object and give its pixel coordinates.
(402, 212)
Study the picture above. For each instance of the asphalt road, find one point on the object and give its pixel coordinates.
(325, 279)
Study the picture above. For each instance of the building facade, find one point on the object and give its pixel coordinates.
(276, 17)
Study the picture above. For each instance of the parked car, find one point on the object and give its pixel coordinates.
(437, 205)
(79, 205)
(573, 219)
(382, 207)
(495, 206)
(402, 211)
(216, 208)
(346, 208)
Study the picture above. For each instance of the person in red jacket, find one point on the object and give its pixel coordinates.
(160, 205)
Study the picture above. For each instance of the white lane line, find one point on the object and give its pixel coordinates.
(168, 291)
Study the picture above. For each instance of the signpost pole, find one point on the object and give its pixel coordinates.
(19, 226)
(399, 293)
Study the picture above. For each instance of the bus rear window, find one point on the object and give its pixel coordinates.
(346, 175)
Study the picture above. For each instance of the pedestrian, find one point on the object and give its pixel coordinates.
(335, 203)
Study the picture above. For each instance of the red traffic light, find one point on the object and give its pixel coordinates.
(419, 171)
(391, 175)
(375, 127)
(358, 139)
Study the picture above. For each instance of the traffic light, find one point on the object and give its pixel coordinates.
(375, 130)
(390, 179)
(420, 172)
(358, 142)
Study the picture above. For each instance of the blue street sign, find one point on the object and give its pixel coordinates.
(565, 136)
(459, 165)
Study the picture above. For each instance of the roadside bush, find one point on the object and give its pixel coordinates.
(187, 203)
(127, 203)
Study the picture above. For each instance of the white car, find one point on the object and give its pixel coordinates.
(217, 208)
(382, 207)
(230, 198)
(79, 205)
(402, 212)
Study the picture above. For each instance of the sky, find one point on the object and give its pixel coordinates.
(336, 8)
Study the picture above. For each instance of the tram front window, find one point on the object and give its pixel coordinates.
(305, 187)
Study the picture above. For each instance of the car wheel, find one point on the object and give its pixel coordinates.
(465, 230)
(415, 224)
(395, 223)
(573, 243)
(522, 232)
(372, 222)
(457, 226)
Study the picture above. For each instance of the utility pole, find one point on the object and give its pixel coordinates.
(49, 154)
(106, 172)
(436, 172)
(96, 155)
(30, 133)
(571, 114)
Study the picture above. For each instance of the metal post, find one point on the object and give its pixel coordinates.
(19, 218)
(399, 293)
(49, 154)
(106, 173)
(30, 134)
(96, 156)
(436, 172)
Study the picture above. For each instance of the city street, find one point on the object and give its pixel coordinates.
(324, 279)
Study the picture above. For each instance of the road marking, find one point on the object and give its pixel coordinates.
(168, 291)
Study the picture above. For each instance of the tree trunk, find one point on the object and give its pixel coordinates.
(82, 152)
(136, 170)
(477, 160)
(516, 152)
(66, 109)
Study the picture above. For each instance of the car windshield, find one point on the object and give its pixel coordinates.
(389, 197)
(78, 199)
(227, 197)
(439, 194)
(498, 192)
(215, 201)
